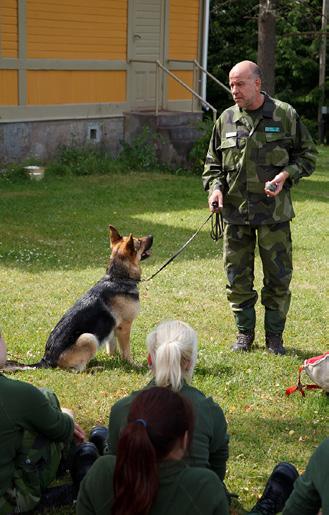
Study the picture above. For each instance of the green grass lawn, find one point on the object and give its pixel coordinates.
(54, 246)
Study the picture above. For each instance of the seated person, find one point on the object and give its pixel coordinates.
(34, 436)
(148, 475)
(311, 491)
(172, 355)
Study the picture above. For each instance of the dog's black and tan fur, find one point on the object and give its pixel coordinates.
(105, 313)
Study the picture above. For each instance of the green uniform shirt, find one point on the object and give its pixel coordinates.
(210, 439)
(311, 489)
(24, 407)
(183, 490)
(245, 151)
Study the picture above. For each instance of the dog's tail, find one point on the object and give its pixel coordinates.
(13, 366)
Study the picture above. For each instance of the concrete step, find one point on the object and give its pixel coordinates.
(177, 118)
(182, 132)
(178, 132)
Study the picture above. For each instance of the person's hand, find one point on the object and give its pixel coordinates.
(78, 434)
(277, 184)
(216, 196)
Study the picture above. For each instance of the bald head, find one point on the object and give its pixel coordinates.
(248, 68)
(3, 352)
(245, 84)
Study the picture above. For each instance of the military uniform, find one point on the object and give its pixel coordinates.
(247, 149)
(209, 446)
(311, 489)
(33, 434)
(182, 490)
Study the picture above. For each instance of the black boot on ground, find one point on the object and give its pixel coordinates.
(277, 490)
(274, 344)
(85, 455)
(98, 435)
(243, 342)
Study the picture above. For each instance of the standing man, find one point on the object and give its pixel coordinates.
(258, 150)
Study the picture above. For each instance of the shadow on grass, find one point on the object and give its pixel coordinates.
(113, 363)
(279, 434)
(303, 354)
(215, 369)
(63, 224)
(311, 189)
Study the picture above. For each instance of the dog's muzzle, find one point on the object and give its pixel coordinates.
(148, 244)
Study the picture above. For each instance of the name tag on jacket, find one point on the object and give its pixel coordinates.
(272, 129)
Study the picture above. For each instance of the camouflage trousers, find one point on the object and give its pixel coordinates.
(36, 466)
(275, 250)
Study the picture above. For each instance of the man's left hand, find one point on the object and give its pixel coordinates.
(278, 183)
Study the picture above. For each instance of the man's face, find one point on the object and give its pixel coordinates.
(245, 89)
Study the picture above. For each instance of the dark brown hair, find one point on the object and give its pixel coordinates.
(158, 417)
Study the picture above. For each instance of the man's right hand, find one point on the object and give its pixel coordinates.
(216, 196)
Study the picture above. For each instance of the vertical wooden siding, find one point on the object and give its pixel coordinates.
(77, 29)
(75, 87)
(183, 29)
(175, 90)
(8, 28)
(8, 87)
(183, 42)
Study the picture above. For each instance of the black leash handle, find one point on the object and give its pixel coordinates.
(217, 224)
(216, 233)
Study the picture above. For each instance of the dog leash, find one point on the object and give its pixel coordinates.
(216, 233)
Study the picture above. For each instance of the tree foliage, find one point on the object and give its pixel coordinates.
(233, 37)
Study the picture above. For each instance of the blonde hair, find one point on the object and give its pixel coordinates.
(3, 352)
(173, 347)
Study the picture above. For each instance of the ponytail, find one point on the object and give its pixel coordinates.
(136, 477)
(172, 346)
(158, 420)
(168, 370)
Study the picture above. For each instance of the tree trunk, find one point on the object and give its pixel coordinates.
(267, 43)
(322, 71)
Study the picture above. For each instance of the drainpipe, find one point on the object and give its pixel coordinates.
(206, 10)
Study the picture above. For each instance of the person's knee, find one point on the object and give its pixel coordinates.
(3, 351)
(51, 397)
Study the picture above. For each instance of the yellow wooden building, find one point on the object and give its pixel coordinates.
(74, 67)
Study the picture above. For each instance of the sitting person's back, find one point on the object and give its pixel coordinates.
(33, 433)
(311, 492)
(25, 408)
(148, 475)
(172, 348)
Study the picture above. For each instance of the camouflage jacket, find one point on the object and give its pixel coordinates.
(244, 153)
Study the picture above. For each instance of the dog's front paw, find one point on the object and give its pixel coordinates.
(94, 369)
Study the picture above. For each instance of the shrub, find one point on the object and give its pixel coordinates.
(142, 153)
(199, 150)
(13, 173)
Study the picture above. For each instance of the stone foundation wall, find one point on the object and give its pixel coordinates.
(41, 139)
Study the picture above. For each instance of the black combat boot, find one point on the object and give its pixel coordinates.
(243, 342)
(277, 490)
(274, 344)
(85, 455)
(98, 435)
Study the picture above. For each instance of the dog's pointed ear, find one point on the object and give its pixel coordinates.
(114, 235)
(130, 243)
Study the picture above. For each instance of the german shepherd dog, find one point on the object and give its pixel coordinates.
(105, 313)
